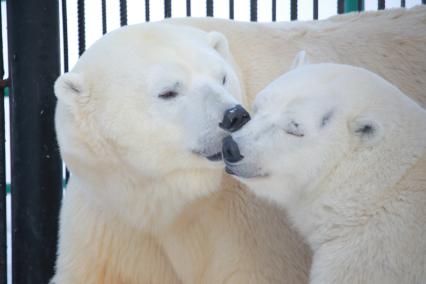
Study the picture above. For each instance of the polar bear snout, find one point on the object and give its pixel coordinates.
(234, 118)
(230, 150)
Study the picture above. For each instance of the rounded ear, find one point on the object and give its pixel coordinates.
(300, 60)
(367, 129)
(219, 42)
(71, 89)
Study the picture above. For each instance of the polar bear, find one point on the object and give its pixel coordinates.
(391, 43)
(344, 151)
(137, 120)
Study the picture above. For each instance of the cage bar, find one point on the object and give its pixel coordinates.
(65, 34)
(381, 5)
(188, 8)
(147, 10)
(340, 6)
(231, 9)
(315, 16)
(34, 57)
(209, 8)
(293, 10)
(3, 191)
(65, 53)
(253, 10)
(81, 27)
(104, 17)
(123, 12)
(274, 10)
(167, 8)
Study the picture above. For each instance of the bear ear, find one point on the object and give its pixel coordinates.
(71, 89)
(300, 60)
(219, 42)
(367, 129)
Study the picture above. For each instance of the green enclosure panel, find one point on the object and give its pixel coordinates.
(352, 6)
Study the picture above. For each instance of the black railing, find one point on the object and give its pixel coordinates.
(34, 59)
(33, 38)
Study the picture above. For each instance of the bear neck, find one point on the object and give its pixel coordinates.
(347, 200)
(148, 204)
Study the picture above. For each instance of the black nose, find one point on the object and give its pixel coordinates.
(234, 118)
(230, 150)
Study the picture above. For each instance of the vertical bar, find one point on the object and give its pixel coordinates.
(34, 57)
(315, 9)
(3, 192)
(65, 34)
(81, 27)
(402, 3)
(123, 12)
(381, 4)
(231, 9)
(188, 8)
(66, 61)
(424, 2)
(147, 10)
(274, 10)
(167, 8)
(104, 17)
(360, 5)
(293, 10)
(340, 6)
(209, 8)
(253, 10)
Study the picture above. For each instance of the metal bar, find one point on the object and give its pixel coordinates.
(209, 8)
(34, 57)
(147, 10)
(340, 6)
(424, 2)
(65, 34)
(293, 10)
(231, 9)
(167, 8)
(274, 10)
(315, 9)
(65, 51)
(188, 8)
(3, 191)
(81, 27)
(360, 5)
(402, 3)
(381, 4)
(253, 10)
(104, 17)
(123, 12)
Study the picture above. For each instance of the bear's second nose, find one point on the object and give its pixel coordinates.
(234, 118)
(230, 151)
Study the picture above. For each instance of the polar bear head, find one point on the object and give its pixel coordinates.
(325, 124)
(147, 100)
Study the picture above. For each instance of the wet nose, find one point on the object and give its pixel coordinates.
(230, 150)
(234, 118)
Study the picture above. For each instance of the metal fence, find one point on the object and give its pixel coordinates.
(37, 176)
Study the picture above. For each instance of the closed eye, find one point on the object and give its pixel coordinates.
(224, 80)
(168, 95)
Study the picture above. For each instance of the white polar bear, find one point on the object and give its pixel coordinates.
(344, 151)
(136, 119)
(391, 43)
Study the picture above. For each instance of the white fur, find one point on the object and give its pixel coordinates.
(391, 43)
(143, 204)
(354, 183)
